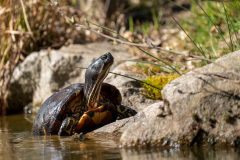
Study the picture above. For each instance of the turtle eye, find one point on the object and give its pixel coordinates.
(104, 57)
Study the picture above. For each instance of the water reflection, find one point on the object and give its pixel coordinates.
(17, 142)
(182, 154)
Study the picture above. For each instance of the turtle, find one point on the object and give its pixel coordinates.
(83, 107)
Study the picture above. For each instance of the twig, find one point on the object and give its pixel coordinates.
(26, 21)
(107, 36)
(71, 20)
(17, 32)
(170, 67)
(4, 55)
(56, 5)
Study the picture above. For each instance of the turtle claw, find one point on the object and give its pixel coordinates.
(67, 127)
(125, 112)
(78, 137)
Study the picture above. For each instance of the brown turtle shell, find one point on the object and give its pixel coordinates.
(69, 102)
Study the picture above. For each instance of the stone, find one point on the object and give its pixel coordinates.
(118, 127)
(23, 83)
(130, 90)
(46, 72)
(203, 108)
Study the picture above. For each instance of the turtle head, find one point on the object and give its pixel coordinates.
(94, 76)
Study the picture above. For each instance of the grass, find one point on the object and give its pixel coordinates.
(213, 28)
(146, 27)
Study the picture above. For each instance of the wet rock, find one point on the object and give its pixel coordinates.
(203, 107)
(46, 72)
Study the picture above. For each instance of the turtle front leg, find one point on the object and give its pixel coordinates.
(67, 127)
(125, 112)
(96, 118)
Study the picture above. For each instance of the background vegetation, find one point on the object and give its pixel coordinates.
(207, 29)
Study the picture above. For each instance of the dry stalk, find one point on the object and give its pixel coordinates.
(3, 68)
(6, 67)
(71, 20)
(26, 21)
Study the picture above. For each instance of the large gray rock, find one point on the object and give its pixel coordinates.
(203, 107)
(45, 72)
(23, 83)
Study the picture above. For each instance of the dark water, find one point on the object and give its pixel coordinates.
(17, 142)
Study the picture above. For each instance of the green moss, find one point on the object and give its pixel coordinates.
(194, 116)
(226, 117)
(159, 81)
(229, 119)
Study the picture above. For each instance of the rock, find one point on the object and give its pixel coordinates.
(130, 89)
(45, 72)
(23, 83)
(40, 75)
(203, 108)
(117, 128)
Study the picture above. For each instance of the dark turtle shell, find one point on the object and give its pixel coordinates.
(69, 102)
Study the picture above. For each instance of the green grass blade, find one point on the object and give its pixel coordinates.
(213, 49)
(131, 24)
(173, 69)
(200, 49)
(155, 19)
(135, 80)
(238, 41)
(213, 23)
(227, 19)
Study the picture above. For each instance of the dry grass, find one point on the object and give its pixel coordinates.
(29, 26)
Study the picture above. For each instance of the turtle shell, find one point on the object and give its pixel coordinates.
(69, 102)
(111, 93)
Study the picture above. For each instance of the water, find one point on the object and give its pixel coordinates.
(17, 142)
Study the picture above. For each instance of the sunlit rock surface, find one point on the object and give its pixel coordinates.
(118, 127)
